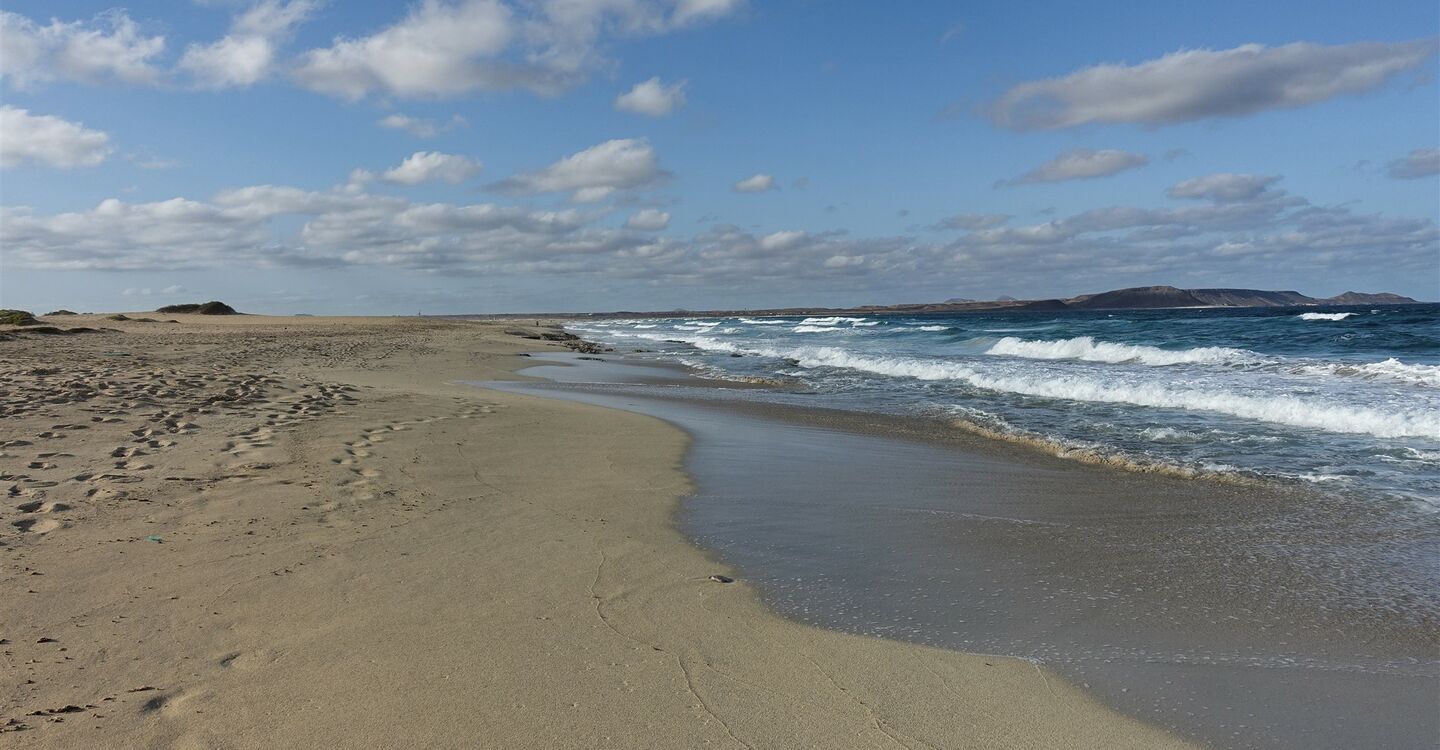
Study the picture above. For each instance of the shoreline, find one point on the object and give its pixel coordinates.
(282, 551)
(1234, 664)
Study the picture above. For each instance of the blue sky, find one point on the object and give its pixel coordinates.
(500, 155)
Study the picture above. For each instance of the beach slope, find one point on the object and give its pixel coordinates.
(282, 532)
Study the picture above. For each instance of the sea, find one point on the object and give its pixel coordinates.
(1262, 572)
(1342, 399)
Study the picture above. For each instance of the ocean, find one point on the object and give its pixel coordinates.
(1343, 399)
(1293, 604)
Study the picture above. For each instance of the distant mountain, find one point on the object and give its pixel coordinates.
(1136, 298)
(1361, 298)
(1156, 297)
(1251, 298)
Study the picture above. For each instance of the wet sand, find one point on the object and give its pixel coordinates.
(305, 532)
(1222, 611)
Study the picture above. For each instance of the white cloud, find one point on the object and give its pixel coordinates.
(971, 221)
(1200, 84)
(246, 55)
(1211, 236)
(449, 48)
(438, 49)
(1080, 164)
(595, 173)
(1422, 162)
(756, 183)
(652, 98)
(648, 219)
(425, 166)
(781, 240)
(419, 127)
(49, 141)
(688, 12)
(109, 47)
(1224, 187)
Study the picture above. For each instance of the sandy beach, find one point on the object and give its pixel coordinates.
(250, 531)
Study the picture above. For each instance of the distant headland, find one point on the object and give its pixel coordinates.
(1134, 298)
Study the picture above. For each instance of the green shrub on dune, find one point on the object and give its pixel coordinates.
(17, 318)
(213, 307)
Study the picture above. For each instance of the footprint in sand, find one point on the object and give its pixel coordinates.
(36, 525)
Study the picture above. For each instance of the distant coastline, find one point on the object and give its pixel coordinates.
(1133, 298)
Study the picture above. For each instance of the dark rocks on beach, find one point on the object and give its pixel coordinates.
(117, 316)
(56, 331)
(586, 347)
(722, 578)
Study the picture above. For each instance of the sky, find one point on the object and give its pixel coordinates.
(471, 156)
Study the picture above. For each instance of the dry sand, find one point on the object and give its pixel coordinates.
(285, 532)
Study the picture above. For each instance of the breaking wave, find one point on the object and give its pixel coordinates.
(1390, 369)
(1088, 349)
(1324, 316)
(1278, 409)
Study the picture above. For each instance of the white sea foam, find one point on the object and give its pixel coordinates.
(1088, 349)
(934, 328)
(1314, 412)
(754, 322)
(1168, 435)
(1289, 410)
(1390, 369)
(814, 329)
(1324, 316)
(830, 321)
(643, 325)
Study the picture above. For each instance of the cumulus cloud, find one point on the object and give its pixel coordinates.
(971, 221)
(595, 173)
(756, 183)
(1422, 162)
(49, 141)
(1080, 164)
(1224, 187)
(246, 55)
(648, 220)
(652, 98)
(448, 48)
(1201, 84)
(428, 166)
(782, 240)
(1208, 235)
(438, 49)
(419, 127)
(108, 47)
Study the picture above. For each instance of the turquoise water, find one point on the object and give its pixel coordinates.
(1345, 399)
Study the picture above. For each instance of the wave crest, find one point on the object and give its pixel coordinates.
(1086, 348)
